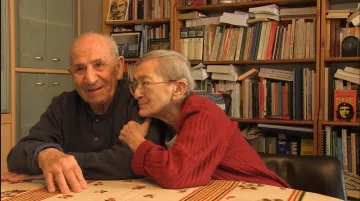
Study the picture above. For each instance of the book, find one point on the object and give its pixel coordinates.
(345, 105)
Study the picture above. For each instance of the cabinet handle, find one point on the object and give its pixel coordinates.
(39, 83)
(38, 58)
(56, 59)
(56, 83)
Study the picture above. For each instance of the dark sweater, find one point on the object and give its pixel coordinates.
(70, 125)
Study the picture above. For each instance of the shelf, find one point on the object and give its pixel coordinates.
(274, 121)
(134, 22)
(41, 70)
(277, 61)
(233, 6)
(342, 59)
(353, 193)
(338, 123)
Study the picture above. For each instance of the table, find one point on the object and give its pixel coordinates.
(145, 189)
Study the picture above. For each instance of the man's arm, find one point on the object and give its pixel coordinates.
(113, 163)
(44, 134)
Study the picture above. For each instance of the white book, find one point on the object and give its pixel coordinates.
(271, 9)
(234, 20)
(268, 16)
(222, 69)
(277, 74)
(352, 70)
(224, 76)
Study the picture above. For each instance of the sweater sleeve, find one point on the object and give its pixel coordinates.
(46, 133)
(192, 159)
(111, 163)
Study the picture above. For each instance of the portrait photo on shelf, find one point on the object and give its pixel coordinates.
(118, 10)
(128, 43)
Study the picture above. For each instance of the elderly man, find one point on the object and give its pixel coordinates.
(77, 137)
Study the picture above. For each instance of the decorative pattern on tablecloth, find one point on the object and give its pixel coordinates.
(34, 195)
(146, 189)
(214, 191)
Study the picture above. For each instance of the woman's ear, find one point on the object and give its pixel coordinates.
(120, 67)
(180, 89)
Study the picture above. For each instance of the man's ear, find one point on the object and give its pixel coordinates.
(120, 67)
(180, 89)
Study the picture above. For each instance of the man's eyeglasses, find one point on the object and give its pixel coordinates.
(144, 86)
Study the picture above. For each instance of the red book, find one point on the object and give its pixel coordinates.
(345, 105)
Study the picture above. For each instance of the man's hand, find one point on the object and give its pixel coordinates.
(133, 134)
(61, 168)
(15, 177)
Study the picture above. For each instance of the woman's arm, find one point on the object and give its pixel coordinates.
(191, 161)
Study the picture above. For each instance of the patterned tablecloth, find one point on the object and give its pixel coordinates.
(145, 189)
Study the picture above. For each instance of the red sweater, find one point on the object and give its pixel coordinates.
(208, 146)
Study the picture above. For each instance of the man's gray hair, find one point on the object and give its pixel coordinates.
(172, 66)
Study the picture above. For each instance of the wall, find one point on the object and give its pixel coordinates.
(90, 16)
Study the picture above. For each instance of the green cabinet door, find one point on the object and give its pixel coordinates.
(32, 33)
(31, 101)
(61, 31)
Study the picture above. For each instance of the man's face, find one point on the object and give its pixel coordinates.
(118, 9)
(344, 112)
(95, 70)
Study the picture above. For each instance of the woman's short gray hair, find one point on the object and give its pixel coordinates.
(172, 66)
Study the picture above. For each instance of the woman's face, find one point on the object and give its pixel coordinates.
(153, 93)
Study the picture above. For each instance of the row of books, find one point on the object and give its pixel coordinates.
(278, 139)
(152, 36)
(260, 41)
(336, 31)
(210, 2)
(343, 144)
(342, 90)
(149, 9)
(271, 93)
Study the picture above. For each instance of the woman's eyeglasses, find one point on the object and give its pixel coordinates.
(144, 87)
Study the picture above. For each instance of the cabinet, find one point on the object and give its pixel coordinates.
(5, 140)
(34, 94)
(46, 29)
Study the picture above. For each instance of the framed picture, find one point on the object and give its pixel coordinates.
(118, 10)
(159, 44)
(128, 43)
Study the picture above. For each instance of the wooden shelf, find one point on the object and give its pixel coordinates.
(233, 6)
(134, 22)
(338, 123)
(342, 59)
(353, 193)
(278, 61)
(40, 70)
(274, 121)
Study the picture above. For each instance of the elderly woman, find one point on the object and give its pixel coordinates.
(203, 143)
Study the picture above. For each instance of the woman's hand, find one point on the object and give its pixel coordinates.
(133, 133)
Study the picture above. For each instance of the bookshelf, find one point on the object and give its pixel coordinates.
(314, 63)
(331, 60)
(244, 62)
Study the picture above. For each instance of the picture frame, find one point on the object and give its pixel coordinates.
(128, 43)
(118, 10)
(159, 44)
